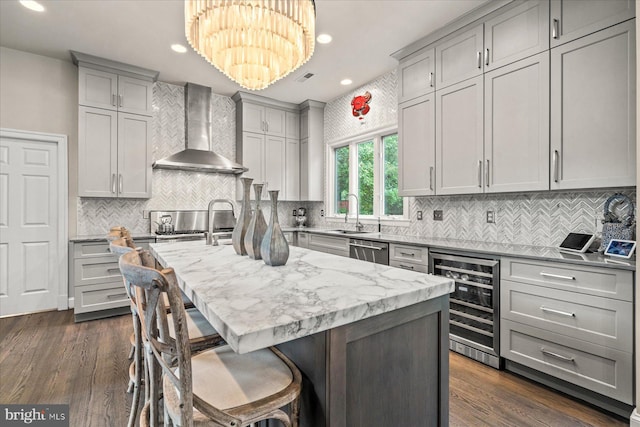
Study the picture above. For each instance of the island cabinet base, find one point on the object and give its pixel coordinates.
(387, 370)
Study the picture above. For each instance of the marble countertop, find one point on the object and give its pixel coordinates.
(491, 249)
(254, 305)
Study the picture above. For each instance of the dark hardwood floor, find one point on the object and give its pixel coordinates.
(46, 358)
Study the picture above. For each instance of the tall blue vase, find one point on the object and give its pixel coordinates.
(257, 227)
(274, 248)
(242, 222)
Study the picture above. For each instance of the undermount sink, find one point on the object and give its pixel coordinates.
(348, 231)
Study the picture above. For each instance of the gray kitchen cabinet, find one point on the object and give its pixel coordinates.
(570, 322)
(95, 280)
(593, 109)
(416, 146)
(516, 32)
(329, 244)
(459, 138)
(416, 75)
(572, 19)
(414, 258)
(312, 151)
(302, 239)
(459, 57)
(114, 158)
(267, 134)
(516, 114)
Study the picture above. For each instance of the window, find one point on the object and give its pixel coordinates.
(367, 168)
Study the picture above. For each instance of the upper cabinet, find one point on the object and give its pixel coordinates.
(593, 110)
(572, 19)
(416, 75)
(311, 150)
(416, 154)
(518, 32)
(114, 128)
(459, 57)
(267, 143)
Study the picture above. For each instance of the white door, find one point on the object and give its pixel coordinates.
(33, 258)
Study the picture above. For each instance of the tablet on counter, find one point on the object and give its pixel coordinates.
(577, 242)
(620, 248)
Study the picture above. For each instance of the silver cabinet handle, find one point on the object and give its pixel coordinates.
(556, 165)
(120, 183)
(480, 173)
(555, 29)
(561, 313)
(375, 248)
(113, 270)
(556, 355)
(479, 59)
(486, 174)
(117, 296)
(113, 99)
(113, 182)
(556, 276)
(406, 267)
(121, 97)
(407, 254)
(431, 178)
(430, 79)
(486, 57)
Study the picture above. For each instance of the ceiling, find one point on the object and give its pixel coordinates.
(365, 34)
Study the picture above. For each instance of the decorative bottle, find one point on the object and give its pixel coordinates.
(274, 248)
(242, 222)
(257, 227)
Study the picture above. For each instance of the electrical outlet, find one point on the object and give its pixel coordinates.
(419, 215)
(145, 214)
(491, 217)
(321, 212)
(437, 215)
(295, 212)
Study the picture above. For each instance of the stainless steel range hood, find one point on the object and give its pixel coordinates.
(197, 156)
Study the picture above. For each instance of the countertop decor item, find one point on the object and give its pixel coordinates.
(257, 227)
(614, 226)
(242, 224)
(274, 248)
(253, 42)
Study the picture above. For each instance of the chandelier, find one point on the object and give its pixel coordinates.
(253, 42)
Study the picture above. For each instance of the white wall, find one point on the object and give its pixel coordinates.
(41, 94)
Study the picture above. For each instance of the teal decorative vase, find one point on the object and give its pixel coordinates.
(257, 227)
(274, 248)
(242, 222)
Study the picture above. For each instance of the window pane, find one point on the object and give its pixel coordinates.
(392, 202)
(365, 177)
(342, 180)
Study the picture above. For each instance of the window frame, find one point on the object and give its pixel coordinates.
(377, 137)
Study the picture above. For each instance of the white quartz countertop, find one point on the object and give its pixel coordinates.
(254, 305)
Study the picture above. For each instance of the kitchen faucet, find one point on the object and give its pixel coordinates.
(210, 234)
(359, 226)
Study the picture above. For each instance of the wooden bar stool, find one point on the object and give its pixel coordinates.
(216, 387)
(204, 335)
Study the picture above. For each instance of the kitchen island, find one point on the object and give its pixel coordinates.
(371, 340)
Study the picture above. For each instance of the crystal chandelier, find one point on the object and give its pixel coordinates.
(253, 42)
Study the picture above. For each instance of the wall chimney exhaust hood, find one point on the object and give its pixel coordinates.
(197, 156)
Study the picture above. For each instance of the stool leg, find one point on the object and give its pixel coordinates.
(138, 354)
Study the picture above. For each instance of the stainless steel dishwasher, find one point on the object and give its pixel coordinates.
(474, 306)
(369, 250)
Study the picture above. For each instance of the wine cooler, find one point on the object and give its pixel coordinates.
(474, 306)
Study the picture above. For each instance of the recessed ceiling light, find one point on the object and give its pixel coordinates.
(324, 38)
(178, 48)
(346, 82)
(32, 5)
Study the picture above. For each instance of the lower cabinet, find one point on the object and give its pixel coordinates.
(573, 323)
(98, 290)
(329, 244)
(302, 240)
(413, 258)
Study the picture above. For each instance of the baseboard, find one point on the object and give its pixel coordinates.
(71, 303)
(634, 420)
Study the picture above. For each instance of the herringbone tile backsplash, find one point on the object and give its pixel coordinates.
(538, 218)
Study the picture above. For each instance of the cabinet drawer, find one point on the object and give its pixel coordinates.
(96, 270)
(90, 249)
(598, 320)
(100, 297)
(422, 268)
(600, 369)
(604, 282)
(328, 244)
(412, 254)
